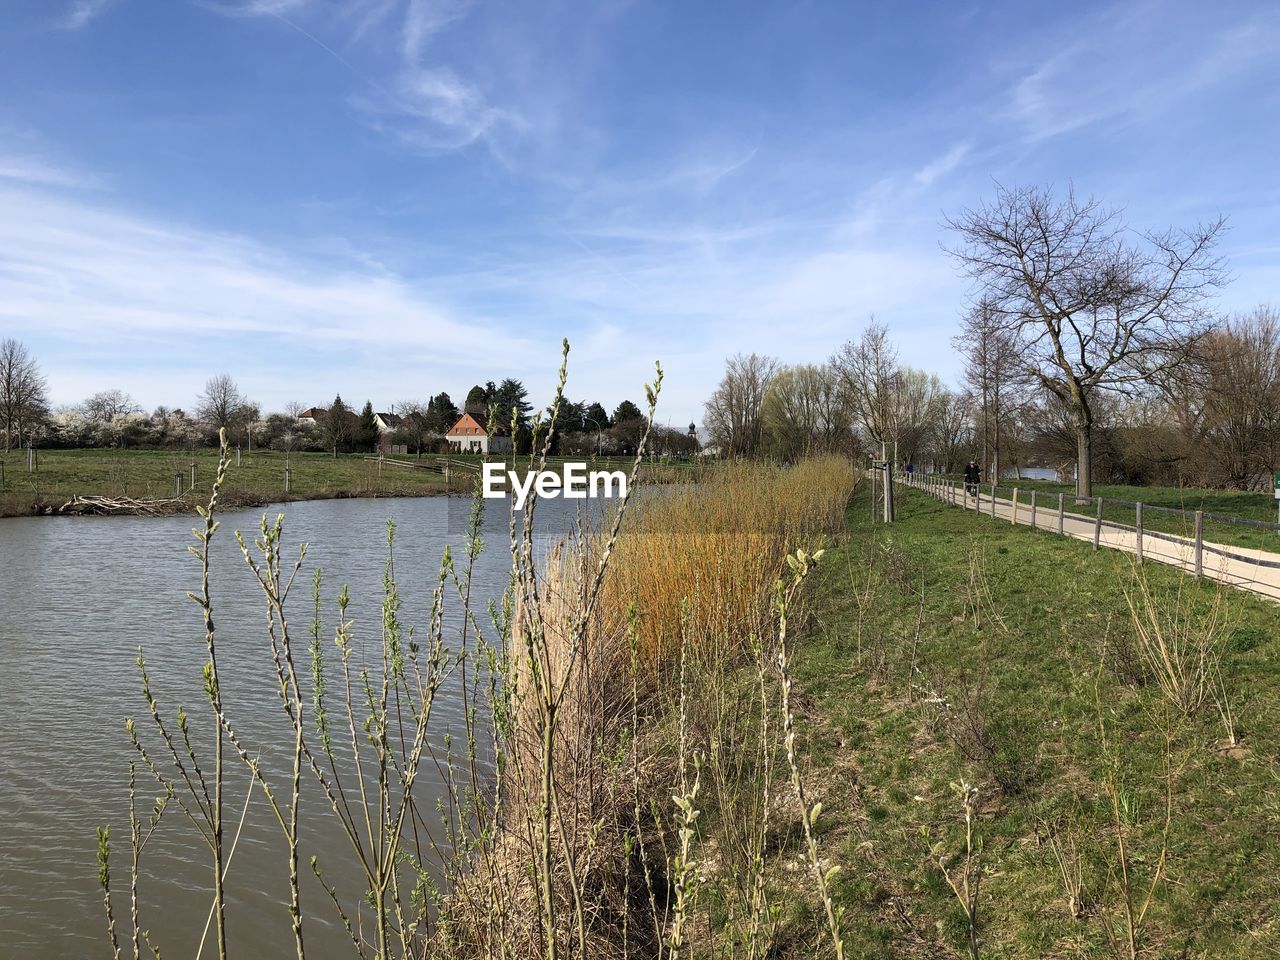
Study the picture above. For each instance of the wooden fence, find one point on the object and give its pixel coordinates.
(1177, 537)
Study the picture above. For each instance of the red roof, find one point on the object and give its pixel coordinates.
(468, 425)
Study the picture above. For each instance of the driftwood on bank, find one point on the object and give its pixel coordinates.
(124, 506)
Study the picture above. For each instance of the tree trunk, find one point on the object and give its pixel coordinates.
(995, 435)
(1084, 455)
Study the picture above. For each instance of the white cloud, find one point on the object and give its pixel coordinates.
(38, 171)
(83, 11)
(1133, 62)
(442, 110)
(423, 19)
(75, 270)
(423, 105)
(940, 167)
(258, 8)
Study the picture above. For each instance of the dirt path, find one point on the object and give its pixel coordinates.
(1254, 570)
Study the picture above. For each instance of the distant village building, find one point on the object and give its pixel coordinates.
(388, 422)
(312, 416)
(471, 434)
(388, 425)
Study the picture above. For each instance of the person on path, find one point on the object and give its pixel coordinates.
(972, 477)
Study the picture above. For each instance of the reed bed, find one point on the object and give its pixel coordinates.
(571, 821)
(702, 561)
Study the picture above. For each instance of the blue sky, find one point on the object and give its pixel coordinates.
(394, 197)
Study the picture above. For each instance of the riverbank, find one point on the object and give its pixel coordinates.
(952, 649)
(164, 478)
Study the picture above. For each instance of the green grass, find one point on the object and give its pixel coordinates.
(258, 479)
(885, 756)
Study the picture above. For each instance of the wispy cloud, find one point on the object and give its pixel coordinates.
(257, 8)
(39, 171)
(423, 104)
(423, 19)
(926, 175)
(1132, 62)
(433, 108)
(71, 268)
(83, 11)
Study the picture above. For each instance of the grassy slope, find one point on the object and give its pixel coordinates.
(150, 473)
(885, 758)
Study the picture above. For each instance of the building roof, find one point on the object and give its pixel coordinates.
(312, 413)
(391, 419)
(477, 421)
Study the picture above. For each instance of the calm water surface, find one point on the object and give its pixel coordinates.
(78, 596)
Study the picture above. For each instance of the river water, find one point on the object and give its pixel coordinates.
(78, 596)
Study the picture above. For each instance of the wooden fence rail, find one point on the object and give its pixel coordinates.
(1244, 567)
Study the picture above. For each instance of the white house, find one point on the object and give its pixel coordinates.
(388, 424)
(471, 434)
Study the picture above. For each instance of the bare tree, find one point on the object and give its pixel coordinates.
(106, 405)
(733, 413)
(1091, 305)
(415, 424)
(222, 405)
(24, 403)
(872, 383)
(1239, 389)
(995, 375)
(916, 408)
(952, 434)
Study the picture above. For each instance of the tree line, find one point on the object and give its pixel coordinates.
(112, 418)
(1088, 346)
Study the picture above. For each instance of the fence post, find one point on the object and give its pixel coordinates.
(1138, 527)
(1061, 510)
(873, 489)
(1097, 526)
(193, 471)
(1199, 543)
(177, 484)
(993, 498)
(286, 478)
(1033, 509)
(1013, 512)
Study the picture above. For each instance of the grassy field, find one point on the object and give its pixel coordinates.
(1237, 503)
(955, 649)
(257, 479)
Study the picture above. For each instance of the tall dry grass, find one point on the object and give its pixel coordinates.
(702, 561)
(571, 822)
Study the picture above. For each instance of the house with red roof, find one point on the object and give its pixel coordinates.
(472, 434)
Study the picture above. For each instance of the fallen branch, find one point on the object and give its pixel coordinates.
(106, 506)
